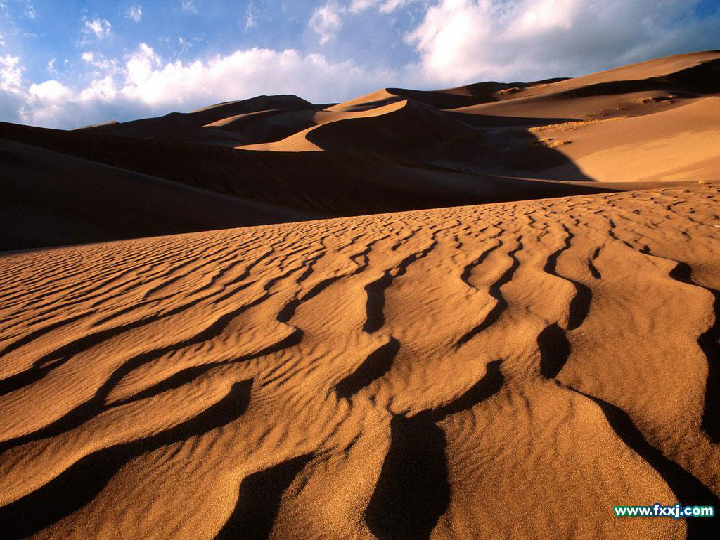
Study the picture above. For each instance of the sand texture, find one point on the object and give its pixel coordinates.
(502, 371)
(485, 312)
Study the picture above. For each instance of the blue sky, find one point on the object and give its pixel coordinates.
(67, 63)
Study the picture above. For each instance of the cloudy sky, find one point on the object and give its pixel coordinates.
(69, 63)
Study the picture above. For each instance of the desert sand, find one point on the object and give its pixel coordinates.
(495, 370)
(499, 371)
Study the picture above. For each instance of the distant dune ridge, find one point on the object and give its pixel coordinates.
(391, 150)
(491, 312)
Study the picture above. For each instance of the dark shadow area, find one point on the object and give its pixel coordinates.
(259, 501)
(52, 199)
(682, 272)
(79, 484)
(709, 342)
(688, 489)
(412, 491)
(375, 305)
(501, 303)
(373, 367)
(554, 350)
(591, 264)
(551, 263)
(580, 304)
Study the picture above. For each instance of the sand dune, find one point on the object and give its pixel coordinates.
(680, 143)
(268, 186)
(50, 199)
(498, 334)
(395, 149)
(486, 111)
(403, 129)
(664, 129)
(501, 371)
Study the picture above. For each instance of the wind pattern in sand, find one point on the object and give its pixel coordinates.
(504, 371)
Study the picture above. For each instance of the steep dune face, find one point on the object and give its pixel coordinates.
(500, 371)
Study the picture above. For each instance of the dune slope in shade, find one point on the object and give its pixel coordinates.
(503, 371)
(50, 199)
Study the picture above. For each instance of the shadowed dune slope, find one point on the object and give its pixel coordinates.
(269, 186)
(501, 371)
(50, 199)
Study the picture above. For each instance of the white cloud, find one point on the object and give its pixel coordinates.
(462, 41)
(357, 6)
(47, 100)
(134, 13)
(97, 60)
(384, 6)
(250, 20)
(51, 66)
(188, 6)
(244, 73)
(326, 20)
(10, 73)
(102, 90)
(11, 92)
(100, 28)
(51, 90)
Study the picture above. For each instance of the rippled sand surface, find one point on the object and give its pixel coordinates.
(501, 371)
